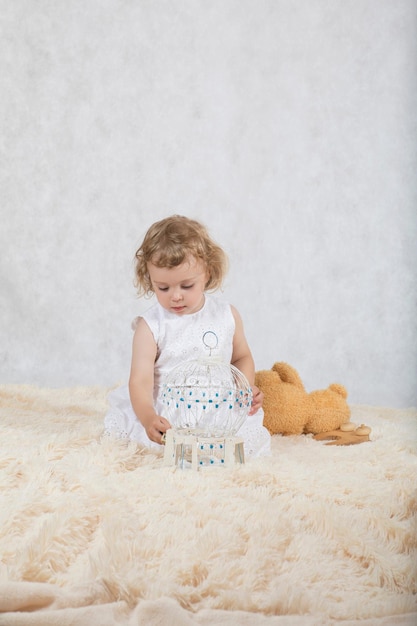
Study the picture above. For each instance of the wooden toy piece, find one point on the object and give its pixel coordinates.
(363, 430)
(345, 438)
(348, 427)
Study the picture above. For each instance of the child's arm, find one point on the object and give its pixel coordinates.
(141, 382)
(243, 360)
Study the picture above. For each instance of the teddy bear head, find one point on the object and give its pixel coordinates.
(290, 410)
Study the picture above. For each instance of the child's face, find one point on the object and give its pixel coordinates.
(180, 289)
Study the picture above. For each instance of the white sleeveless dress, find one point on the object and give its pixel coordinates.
(180, 339)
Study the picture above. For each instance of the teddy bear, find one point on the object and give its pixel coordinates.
(290, 410)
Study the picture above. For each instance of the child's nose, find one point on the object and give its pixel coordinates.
(177, 295)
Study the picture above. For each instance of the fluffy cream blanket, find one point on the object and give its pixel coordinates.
(96, 532)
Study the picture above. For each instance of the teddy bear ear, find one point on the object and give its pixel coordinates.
(288, 374)
(340, 389)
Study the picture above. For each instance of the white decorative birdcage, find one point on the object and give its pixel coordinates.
(207, 401)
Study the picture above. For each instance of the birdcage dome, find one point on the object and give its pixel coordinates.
(206, 397)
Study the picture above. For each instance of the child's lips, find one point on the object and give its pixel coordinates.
(178, 309)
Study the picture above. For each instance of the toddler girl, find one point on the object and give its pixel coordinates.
(179, 263)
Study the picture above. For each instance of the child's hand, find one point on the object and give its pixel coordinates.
(157, 427)
(257, 399)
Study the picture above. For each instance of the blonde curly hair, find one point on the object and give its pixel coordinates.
(169, 242)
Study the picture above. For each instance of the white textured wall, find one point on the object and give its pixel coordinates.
(287, 126)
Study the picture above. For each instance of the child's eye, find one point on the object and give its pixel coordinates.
(162, 288)
(187, 286)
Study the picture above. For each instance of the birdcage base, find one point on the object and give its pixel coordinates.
(192, 450)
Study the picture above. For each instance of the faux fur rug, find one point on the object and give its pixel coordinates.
(96, 532)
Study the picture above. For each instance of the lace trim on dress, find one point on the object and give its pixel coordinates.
(112, 428)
